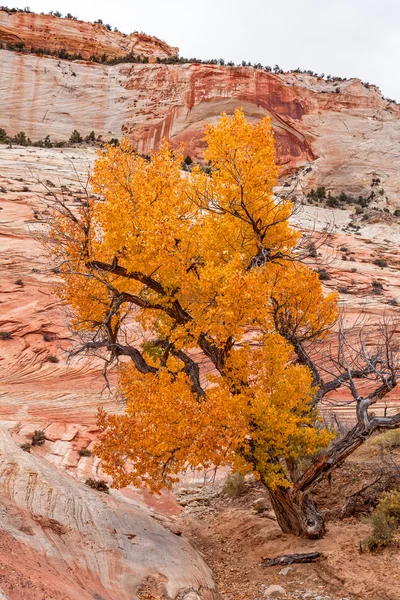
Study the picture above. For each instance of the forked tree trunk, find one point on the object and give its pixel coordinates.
(296, 513)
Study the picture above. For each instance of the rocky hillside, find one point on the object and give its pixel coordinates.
(87, 39)
(343, 132)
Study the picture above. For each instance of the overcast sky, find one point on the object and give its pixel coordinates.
(348, 38)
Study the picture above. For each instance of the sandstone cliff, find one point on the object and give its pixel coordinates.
(346, 132)
(74, 36)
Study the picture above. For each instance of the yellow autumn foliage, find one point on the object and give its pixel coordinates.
(203, 265)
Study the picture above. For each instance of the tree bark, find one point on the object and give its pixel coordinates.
(296, 513)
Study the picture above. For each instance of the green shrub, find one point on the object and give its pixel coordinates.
(385, 522)
(4, 139)
(75, 137)
(21, 140)
(259, 508)
(380, 262)
(234, 485)
(323, 274)
(26, 447)
(91, 138)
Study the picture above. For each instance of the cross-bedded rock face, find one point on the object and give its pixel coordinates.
(345, 131)
(96, 545)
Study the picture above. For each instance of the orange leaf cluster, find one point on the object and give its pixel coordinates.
(205, 264)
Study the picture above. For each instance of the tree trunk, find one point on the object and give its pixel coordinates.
(296, 514)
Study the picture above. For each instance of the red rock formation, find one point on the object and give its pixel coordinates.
(347, 138)
(53, 33)
(345, 130)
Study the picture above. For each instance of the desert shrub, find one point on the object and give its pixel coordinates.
(53, 359)
(75, 137)
(114, 142)
(38, 438)
(312, 250)
(377, 287)
(393, 302)
(26, 447)
(396, 212)
(385, 522)
(188, 161)
(5, 335)
(333, 202)
(387, 440)
(99, 485)
(234, 485)
(19, 282)
(259, 507)
(4, 139)
(323, 274)
(91, 138)
(343, 290)
(21, 140)
(85, 452)
(380, 262)
(343, 249)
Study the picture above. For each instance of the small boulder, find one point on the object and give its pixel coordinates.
(274, 591)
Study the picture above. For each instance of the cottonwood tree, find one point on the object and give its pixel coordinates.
(192, 284)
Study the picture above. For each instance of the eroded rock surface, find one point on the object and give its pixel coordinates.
(345, 132)
(101, 544)
(77, 37)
